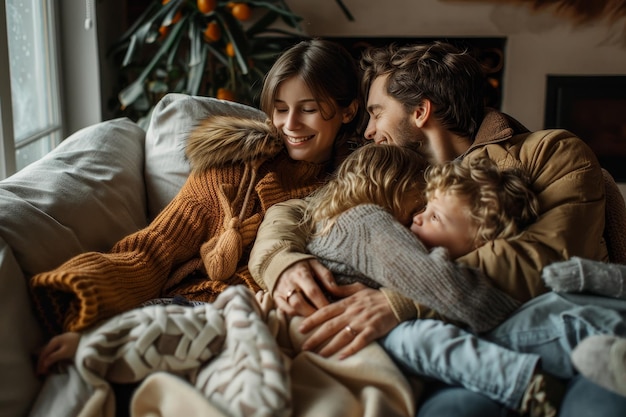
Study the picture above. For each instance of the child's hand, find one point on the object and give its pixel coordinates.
(59, 348)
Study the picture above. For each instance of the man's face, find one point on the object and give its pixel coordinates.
(389, 122)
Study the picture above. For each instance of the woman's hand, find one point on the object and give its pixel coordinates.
(297, 291)
(59, 348)
(350, 324)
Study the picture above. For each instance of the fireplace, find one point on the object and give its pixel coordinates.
(593, 108)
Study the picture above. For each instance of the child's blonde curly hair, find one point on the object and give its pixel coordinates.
(373, 174)
(501, 202)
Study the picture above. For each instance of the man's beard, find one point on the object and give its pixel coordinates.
(410, 136)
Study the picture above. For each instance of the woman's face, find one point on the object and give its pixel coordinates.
(299, 118)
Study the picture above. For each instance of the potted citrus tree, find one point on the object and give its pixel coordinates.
(202, 47)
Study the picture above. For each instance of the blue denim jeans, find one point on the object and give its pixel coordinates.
(586, 399)
(547, 327)
(447, 353)
(582, 399)
(552, 324)
(440, 400)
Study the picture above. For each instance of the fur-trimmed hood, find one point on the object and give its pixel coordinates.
(220, 140)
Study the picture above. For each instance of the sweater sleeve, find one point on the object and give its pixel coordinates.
(370, 241)
(281, 242)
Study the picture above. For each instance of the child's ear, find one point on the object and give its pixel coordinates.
(350, 111)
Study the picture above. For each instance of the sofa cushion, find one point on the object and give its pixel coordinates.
(84, 195)
(20, 335)
(173, 118)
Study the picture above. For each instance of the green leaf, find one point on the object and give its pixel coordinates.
(149, 30)
(289, 17)
(196, 41)
(132, 92)
(262, 24)
(293, 21)
(158, 87)
(283, 10)
(284, 34)
(137, 41)
(219, 55)
(169, 63)
(171, 12)
(196, 71)
(125, 38)
(237, 37)
(197, 57)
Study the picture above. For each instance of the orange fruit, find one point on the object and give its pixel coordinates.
(212, 32)
(177, 17)
(241, 11)
(206, 6)
(163, 31)
(230, 49)
(225, 94)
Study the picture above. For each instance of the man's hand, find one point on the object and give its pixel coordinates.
(349, 324)
(297, 291)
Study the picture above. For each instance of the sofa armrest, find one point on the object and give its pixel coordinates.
(20, 335)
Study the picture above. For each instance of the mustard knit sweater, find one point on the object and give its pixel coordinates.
(198, 245)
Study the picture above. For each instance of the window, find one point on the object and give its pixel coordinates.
(30, 99)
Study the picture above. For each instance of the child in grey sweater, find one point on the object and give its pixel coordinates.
(376, 200)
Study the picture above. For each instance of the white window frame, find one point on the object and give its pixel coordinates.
(8, 148)
(7, 142)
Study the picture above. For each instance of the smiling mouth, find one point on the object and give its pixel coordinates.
(381, 140)
(299, 139)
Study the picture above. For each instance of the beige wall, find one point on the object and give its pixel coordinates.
(538, 44)
(87, 74)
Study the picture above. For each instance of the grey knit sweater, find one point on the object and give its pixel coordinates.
(368, 245)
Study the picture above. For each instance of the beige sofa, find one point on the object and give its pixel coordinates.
(99, 185)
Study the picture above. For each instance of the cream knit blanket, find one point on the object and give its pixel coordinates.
(234, 357)
(224, 349)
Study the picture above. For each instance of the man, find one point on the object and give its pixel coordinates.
(432, 95)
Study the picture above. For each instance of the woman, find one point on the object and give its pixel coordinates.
(197, 246)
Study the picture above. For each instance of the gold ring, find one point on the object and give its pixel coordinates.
(350, 330)
(290, 293)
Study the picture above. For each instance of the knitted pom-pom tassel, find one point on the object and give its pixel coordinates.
(222, 253)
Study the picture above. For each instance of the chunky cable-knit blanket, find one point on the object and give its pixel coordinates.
(224, 349)
(235, 357)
